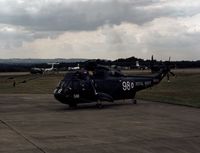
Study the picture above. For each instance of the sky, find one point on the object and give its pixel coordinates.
(107, 29)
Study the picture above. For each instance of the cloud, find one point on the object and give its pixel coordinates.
(99, 28)
(159, 37)
(12, 36)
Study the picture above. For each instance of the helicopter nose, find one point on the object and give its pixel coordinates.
(59, 96)
(58, 91)
(62, 95)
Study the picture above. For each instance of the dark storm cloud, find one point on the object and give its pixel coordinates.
(79, 15)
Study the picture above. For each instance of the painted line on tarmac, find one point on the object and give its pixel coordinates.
(21, 135)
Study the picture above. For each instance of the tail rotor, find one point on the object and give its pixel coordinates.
(160, 65)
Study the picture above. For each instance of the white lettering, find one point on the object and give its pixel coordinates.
(60, 90)
(147, 83)
(139, 83)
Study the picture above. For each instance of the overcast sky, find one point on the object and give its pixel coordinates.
(106, 29)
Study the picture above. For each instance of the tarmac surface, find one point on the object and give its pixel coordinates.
(40, 124)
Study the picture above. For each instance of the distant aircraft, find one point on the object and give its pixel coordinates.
(74, 68)
(36, 70)
(140, 67)
(52, 69)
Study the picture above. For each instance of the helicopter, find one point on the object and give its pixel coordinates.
(97, 83)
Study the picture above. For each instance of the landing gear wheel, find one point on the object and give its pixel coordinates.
(134, 101)
(99, 104)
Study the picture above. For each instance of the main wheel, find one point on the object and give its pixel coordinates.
(99, 104)
(134, 101)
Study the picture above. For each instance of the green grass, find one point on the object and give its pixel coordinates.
(184, 90)
(41, 85)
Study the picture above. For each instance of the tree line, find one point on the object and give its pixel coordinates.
(121, 62)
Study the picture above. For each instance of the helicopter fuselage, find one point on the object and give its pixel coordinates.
(80, 87)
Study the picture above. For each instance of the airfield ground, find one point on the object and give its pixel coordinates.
(32, 121)
(37, 123)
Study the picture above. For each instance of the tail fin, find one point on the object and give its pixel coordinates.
(154, 68)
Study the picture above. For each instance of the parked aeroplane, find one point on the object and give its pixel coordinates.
(74, 68)
(36, 70)
(99, 83)
(51, 69)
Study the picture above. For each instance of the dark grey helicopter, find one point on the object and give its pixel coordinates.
(104, 84)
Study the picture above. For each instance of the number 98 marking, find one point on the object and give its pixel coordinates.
(127, 85)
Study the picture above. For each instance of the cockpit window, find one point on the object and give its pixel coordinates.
(73, 80)
(77, 75)
(61, 83)
(68, 76)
